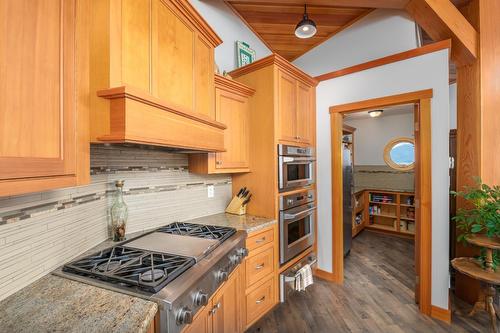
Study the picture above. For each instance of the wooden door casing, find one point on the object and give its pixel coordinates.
(43, 95)
(232, 109)
(287, 107)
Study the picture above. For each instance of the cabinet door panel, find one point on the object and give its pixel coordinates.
(174, 59)
(226, 307)
(202, 323)
(136, 58)
(305, 114)
(37, 88)
(287, 99)
(204, 77)
(232, 110)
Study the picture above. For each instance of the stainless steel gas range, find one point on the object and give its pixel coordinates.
(179, 266)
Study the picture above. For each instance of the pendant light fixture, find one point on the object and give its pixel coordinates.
(375, 113)
(306, 28)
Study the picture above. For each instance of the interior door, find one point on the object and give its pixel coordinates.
(232, 110)
(37, 88)
(416, 116)
(287, 107)
(305, 115)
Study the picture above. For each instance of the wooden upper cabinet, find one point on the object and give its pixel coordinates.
(204, 78)
(305, 114)
(295, 110)
(287, 107)
(232, 108)
(153, 71)
(43, 95)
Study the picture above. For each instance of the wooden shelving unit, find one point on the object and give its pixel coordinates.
(384, 211)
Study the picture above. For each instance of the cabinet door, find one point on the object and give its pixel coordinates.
(38, 87)
(305, 114)
(232, 110)
(204, 77)
(226, 304)
(287, 110)
(202, 323)
(135, 43)
(174, 54)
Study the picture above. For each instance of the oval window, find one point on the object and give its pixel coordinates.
(399, 154)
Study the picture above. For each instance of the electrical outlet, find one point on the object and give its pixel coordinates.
(210, 191)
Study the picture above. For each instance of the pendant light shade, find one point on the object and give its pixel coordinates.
(306, 28)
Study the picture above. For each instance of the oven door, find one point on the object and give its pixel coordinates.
(296, 231)
(295, 172)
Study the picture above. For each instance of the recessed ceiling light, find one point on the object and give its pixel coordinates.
(375, 113)
(306, 28)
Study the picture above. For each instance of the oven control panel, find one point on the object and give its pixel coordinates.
(296, 199)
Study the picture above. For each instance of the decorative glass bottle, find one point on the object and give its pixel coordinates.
(119, 214)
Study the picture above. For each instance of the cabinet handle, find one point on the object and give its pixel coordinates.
(218, 162)
(215, 308)
(260, 240)
(259, 266)
(260, 300)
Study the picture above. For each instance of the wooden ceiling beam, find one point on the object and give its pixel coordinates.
(442, 20)
(392, 4)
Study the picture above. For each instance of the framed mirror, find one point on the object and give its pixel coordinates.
(399, 154)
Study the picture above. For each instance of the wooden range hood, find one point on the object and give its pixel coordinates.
(152, 75)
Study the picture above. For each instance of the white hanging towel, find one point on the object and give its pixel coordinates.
(303, 278)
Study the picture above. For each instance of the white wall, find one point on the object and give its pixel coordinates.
(230, 28)
(381, 33)
(424, 72)
(373, 134)
(453, 106)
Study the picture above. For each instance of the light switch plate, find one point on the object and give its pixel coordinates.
(210, 191)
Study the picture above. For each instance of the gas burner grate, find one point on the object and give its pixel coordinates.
(149, 271)
(198, 230)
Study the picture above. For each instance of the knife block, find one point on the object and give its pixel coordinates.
(236, 207)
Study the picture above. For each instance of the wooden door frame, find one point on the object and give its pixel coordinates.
(423, 238)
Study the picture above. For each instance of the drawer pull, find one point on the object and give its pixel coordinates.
(260, 300)
(261, 240)
(259, 266)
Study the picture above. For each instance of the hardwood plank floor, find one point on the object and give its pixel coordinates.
(377, 296)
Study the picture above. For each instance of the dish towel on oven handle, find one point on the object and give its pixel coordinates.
(303, 278)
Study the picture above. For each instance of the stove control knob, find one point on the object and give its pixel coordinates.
(222, 275)
(200, 298)
(235, 259)
(184, 316)
(289, 202)
(242, 252)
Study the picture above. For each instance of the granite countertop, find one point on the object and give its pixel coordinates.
(247, 223)
(55, 304)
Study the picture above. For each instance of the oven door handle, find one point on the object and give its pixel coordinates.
(294, 216)
(298, 160)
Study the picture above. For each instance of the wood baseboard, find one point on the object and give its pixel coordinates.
(325, 275)
(441, 314)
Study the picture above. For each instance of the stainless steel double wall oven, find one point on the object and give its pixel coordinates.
(297, 209)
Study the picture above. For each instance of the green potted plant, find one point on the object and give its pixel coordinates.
(482, 216)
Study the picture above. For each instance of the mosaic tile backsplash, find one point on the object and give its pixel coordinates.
(41, 231)
(383, 177)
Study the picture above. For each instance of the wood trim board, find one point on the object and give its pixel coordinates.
(423, 186)
(445, 44)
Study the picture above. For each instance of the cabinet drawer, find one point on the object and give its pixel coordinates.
(259, 301)
(259, 266)
(260, 239)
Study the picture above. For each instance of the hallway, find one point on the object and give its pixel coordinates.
(377, 296)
